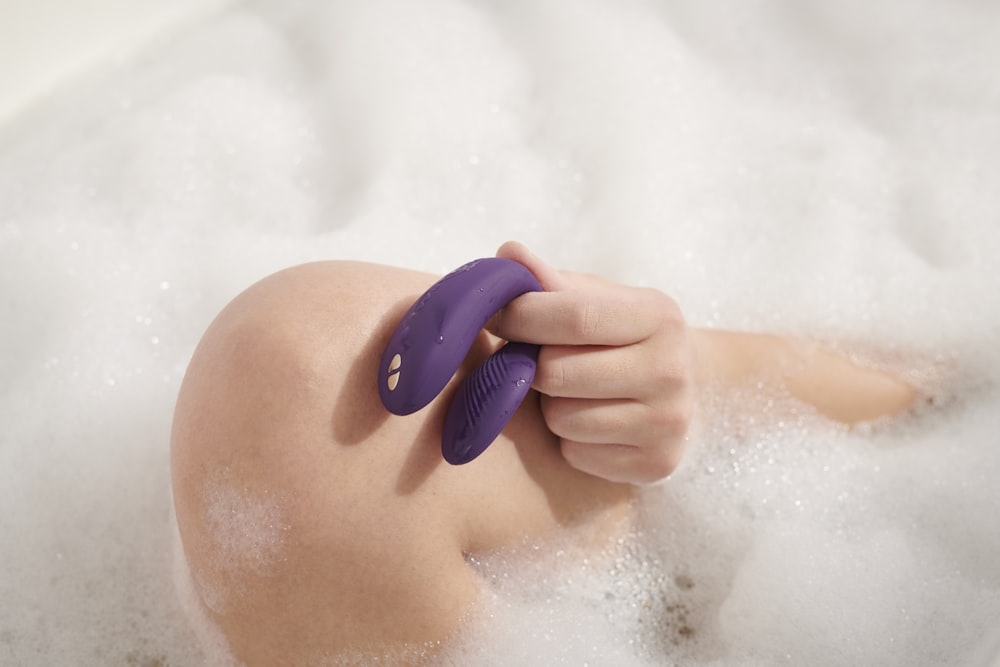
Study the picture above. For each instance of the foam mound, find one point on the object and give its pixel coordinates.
(821, 169)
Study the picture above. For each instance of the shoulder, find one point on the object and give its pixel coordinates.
(314, 521)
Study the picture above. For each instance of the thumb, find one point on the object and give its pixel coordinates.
(550, 279)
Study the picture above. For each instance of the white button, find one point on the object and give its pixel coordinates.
(393, 378)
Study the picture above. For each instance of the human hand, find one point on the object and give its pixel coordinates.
(614, 371)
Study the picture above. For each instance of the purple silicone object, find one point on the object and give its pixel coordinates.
(486, 401)
(436, 333)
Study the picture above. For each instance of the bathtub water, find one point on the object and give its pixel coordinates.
(800, 167)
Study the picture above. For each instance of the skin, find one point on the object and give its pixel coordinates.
(314, 523)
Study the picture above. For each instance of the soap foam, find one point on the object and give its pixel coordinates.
(811, 169)
(247, 529)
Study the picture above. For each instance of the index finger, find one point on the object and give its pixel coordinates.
(595, 316)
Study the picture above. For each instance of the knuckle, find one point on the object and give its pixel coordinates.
(661, 459)
(665, 422)
(668, 373)
(666, 310)
(585, 319)
(660, 464)
(511, 322)
(670, 423)
(550, 373)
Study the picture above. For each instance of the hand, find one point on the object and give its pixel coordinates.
(614, 371)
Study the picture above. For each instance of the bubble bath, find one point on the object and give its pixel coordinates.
(806, 168)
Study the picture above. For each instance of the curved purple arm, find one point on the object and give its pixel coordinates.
(432, 340)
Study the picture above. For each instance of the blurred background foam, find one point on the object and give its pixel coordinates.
(827, 170)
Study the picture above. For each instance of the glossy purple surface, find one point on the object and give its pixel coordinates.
(433, 339)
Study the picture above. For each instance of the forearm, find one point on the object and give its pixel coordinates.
(835, 386)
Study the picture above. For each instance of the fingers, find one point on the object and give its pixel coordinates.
(643, 372)
(578, 309)
(613, 371)
(551, 279)
(591, 316)
(621, 463)
(610, 421)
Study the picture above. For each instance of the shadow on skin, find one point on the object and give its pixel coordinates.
(424, 457)
(358, 411)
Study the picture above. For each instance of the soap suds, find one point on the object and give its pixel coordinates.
(807, 168)
(247, 529)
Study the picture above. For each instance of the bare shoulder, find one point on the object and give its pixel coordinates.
(312, 520)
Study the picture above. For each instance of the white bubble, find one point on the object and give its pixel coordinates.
(829, 171)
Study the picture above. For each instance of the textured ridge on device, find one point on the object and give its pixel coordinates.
(488, 399)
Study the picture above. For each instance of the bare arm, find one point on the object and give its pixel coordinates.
(838, 388)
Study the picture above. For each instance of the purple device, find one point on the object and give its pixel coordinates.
(432, 340)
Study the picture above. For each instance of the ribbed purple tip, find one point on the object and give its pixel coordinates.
(486, 401)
